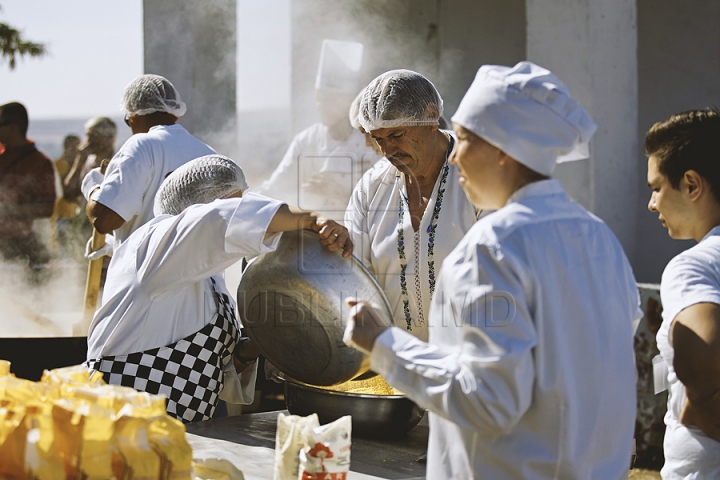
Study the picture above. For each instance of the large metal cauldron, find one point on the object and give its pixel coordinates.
(292, 304)
(373, 416)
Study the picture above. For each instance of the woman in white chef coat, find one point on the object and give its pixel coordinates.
(167, 324)
(528, 372)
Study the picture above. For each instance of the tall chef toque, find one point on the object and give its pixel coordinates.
(526, 112)
(199, 181)
(339, 69)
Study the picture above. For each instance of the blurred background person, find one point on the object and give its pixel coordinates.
(75, 229)
(325, 161)
(27, 192)
(64, 209)
(63, 164)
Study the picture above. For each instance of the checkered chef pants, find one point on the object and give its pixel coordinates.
(188, 372)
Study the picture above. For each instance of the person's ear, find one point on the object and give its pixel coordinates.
(694, 184)
(504, 158)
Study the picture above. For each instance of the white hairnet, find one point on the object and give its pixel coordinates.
(152, 93)
(526, 112)
(400, 98)
(355, 111)
(199, 181)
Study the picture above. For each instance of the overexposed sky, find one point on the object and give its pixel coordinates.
(96, 48)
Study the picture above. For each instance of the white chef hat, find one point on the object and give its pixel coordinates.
(526, 112)
(199, 181)
(339, 69)
(152, 93)
(400, 98)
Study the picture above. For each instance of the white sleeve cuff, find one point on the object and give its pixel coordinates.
(91, 181)
(383, 358)
(251, 220)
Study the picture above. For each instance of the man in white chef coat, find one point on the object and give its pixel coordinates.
(325, 161)
(684, 175)
(529, 369)
(122, 200)
(167, 324)
(408, 212)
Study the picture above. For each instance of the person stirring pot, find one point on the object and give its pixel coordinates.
(528, 372)
(408, 212)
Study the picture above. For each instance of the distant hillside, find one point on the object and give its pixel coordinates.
(49, 134)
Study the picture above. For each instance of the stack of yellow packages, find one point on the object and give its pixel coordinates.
(69, 425)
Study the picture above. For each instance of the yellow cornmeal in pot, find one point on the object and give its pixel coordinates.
(372, 386)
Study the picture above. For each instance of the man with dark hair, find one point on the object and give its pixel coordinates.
(27, 188)
(684, 175)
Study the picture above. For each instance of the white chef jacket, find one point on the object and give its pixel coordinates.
(372, 219)
(690, 278)
(158, 287)
(335, 165)
(135, 173)
(529, 370)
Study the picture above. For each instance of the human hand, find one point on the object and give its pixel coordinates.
(105, 250)
(246, 353)
(83, 151)
(365, 323)
(333, 236)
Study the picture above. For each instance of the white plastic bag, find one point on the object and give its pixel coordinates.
(326, 454)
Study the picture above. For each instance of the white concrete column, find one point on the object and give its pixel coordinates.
(592, 46)
(193, 44)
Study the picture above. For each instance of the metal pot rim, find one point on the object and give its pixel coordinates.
(304, 386)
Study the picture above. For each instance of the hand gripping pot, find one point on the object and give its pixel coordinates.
(292, 304)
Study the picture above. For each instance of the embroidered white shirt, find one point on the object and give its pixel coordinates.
(372, 219)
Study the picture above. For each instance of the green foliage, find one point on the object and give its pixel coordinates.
(12, 45)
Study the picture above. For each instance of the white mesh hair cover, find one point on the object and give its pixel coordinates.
(400, 98)
(355, 111)
(199, 181)
(152, 93)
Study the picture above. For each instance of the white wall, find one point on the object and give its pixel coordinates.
(193, 44)
(679, 69)
(591, 46)
(445, 40)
